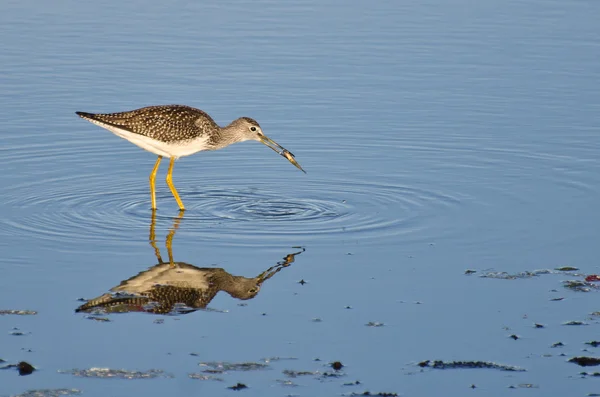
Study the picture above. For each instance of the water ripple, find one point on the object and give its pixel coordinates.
(97, 209)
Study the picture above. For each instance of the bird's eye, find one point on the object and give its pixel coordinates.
(252, 128)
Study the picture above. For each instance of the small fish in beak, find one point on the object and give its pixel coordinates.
(281, 151)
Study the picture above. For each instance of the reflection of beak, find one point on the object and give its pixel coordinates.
(273, 270)
(281, 151)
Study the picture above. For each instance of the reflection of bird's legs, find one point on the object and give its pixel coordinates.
(153, 236)
(153, 182)
(169, 242)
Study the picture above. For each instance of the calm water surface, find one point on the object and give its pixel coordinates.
(438, 136)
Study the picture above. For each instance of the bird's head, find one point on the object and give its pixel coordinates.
(250, 130)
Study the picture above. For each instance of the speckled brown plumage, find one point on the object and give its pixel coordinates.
(165, 123)
(194, 293)
(160, 299)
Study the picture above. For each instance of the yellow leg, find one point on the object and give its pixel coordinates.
(171, 186)
(153, 182)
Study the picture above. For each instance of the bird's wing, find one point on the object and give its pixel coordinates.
(166, 123)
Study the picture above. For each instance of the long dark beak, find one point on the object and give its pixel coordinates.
(281, 151)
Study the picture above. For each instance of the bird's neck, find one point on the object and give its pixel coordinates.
(229, 135)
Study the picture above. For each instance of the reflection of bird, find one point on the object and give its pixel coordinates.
(178, 287)
(175, 131)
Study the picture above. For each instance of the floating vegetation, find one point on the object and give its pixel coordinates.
(18, 312)
(286, 383)
(593, 343)
(574, 322)
(322, 375)
(515, 276)
(218, 367)
(116, 373)
(579, 286)
(374, 324)
(594, 374)
(270, 359)
(585, 361)
(335, 374)
(438, 364)
(294, 374)
(49, 393)
(204, 377)
(368, 393)
(99, 319)
(524, 386)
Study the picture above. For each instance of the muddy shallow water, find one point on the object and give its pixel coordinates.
(439, 243)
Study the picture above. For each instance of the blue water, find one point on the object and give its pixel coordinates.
(438, 136)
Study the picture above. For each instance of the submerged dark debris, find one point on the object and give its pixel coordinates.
(585, 361)
(23, 367)
(438, 364)
(374, 324)
(239, 386)
(116, 373)
(337, 365)
(17, 332)
(355, 383)
(593, 343)
(380, 394)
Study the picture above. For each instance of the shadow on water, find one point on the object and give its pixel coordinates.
(171, 287)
